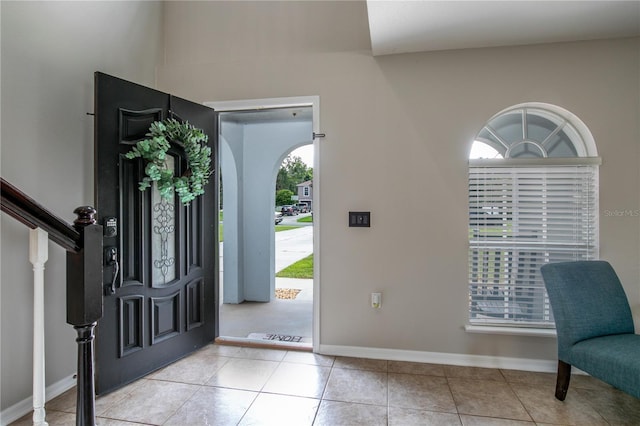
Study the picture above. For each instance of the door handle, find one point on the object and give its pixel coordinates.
(111, 259)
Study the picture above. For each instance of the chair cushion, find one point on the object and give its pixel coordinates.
(613, 359)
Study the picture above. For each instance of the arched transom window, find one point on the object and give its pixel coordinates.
(533, 199)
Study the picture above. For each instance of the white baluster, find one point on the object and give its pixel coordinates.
(38, 255)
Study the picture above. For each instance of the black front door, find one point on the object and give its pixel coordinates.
(162, 303)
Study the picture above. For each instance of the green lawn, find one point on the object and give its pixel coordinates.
(301, 269)
(285, 227)
(220, 227)
(306, 219)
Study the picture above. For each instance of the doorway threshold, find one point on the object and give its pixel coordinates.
(264, 344)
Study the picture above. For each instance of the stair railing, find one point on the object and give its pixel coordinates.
(83, 243)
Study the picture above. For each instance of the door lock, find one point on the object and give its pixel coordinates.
(111, 259)
(110, 226)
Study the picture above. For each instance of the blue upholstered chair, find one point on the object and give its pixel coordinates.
(594, 325)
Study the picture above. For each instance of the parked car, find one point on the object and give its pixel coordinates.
(289, 210)
(303, 208)
(278, 217)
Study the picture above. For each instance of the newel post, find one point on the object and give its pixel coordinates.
(84, 306)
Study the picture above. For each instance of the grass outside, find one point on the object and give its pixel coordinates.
(301, 269)
(306, 219)
(280, 228)
(220, 227)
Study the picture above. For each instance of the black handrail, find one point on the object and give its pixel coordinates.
(29, 212)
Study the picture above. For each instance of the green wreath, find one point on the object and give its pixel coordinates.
(154, 150)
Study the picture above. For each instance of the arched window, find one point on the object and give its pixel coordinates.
(533, 199)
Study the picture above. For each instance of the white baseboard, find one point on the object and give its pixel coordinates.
(537, 365)
(13, 413)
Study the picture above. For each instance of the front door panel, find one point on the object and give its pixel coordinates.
(162, 303)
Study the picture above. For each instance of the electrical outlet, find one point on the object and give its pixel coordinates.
(376, 300)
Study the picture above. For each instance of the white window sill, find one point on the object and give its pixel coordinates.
(511, 331)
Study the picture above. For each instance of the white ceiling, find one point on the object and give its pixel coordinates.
(402, 26)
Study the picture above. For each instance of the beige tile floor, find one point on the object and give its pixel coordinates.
(228, 385)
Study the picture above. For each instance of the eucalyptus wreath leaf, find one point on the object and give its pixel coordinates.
(152, 171)
(154, 151)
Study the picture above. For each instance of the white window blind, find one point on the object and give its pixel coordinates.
(520, 218)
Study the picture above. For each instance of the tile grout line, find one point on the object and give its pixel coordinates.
(455, 404)
(200, 387)
(510, 384)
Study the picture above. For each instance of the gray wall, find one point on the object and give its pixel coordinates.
(50, 51)
(399, 130)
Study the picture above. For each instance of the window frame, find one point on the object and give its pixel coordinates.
(583, 143)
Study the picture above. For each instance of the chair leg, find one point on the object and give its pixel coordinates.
(562, 382)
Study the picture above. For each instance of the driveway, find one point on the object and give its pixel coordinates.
(293, 220)
(293, 245)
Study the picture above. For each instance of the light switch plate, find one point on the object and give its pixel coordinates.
(360, 219)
